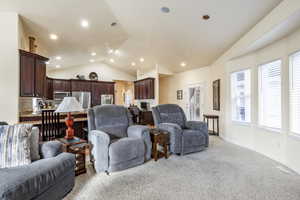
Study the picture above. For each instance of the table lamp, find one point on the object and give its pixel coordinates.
(69, 105)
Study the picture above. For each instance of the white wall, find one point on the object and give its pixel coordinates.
(9, 67)
(181, 81)
(104, 71)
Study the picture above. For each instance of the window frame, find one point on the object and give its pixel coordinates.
(237, 122)
(290, 83)
(259, 96)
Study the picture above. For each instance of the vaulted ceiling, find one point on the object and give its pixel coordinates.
(142, 29)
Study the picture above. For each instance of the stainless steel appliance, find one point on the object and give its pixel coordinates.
(59, 96)
(107, 99)
(84, 98)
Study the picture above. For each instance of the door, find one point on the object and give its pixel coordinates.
(195, 102)
(27, 75)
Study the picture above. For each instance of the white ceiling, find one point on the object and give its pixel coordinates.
(142, 30)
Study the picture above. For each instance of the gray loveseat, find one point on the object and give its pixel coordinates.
(116, 144)
(50, 178)
(185, 136)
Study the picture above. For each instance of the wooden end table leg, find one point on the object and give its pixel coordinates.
(154, 150)
(166, 150)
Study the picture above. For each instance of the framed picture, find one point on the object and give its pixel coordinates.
(179, 94)
(216, 95)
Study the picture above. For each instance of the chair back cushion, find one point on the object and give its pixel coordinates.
(15, 145)
(169, 113)
(111, 119)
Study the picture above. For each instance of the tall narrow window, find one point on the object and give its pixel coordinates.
(240, 96)
(295, 93)
(270, 94)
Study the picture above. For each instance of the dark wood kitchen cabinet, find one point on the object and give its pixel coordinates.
(32, 74)
(144, 89)
(61, 85)
(80, 85)
(99, 88)
(49, 88)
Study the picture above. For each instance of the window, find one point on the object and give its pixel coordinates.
(269, 77)
(295, 93)
(240, 96)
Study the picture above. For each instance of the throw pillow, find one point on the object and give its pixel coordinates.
(34, 144)
(15, 145)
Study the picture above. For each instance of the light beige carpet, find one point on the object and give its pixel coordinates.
(222, 172)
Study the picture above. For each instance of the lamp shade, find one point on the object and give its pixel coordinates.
(69, 104)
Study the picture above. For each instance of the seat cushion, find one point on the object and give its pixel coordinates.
(192, 138)
(126, 149)
(29, 181)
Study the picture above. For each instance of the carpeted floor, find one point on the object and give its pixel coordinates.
(223, 172)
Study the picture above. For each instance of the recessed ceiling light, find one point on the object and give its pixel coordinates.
(142, 59)
(58, 58)
(93, 53)
(112, 60)
(84, 23)
(133, 63)
(92, 60)
(117, 52)
(57, 66)
(165, 9)
(183, 64)
(47, 63)
(110, 51)
(205, 17)
(114, 24)
(53, 37)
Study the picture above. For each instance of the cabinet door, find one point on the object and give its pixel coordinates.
(61, 85)
(96, 93)
(78, 85)
(49, 88)
(40, 78)
(27, 76)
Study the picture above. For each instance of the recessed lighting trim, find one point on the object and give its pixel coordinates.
(133, 64)
(58, 57)
(110, 51)
(92, 60)
(183, 64)
(111, 60)
(165, 9)
(142, 59)
(53, 37)
(85, 23)
(93, 54)
(117, 52)
(57, 66)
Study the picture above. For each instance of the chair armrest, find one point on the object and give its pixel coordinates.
(99, 142)
(175, 132)
(143, 132)
(200, 126)
(50, 149)
(196, 125)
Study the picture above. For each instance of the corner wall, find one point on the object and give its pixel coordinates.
(9, 67)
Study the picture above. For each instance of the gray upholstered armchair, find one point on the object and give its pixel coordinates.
(185, 136)
(116, 144)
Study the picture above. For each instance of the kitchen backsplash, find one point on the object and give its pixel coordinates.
(25, 104)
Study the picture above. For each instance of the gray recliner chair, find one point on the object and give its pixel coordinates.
(185, 136)
(116, 144)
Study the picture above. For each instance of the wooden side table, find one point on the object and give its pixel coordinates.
(78, 147)
(159, 137)
(206, 119)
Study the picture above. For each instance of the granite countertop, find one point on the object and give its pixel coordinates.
(30, 114)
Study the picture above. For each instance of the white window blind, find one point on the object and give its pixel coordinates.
(295, 93)
(270, 94)
(241, 96)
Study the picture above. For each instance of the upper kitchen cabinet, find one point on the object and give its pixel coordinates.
(81, 85)
(32, 74)
(99, 88)
(144, 89)
(61, 85)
